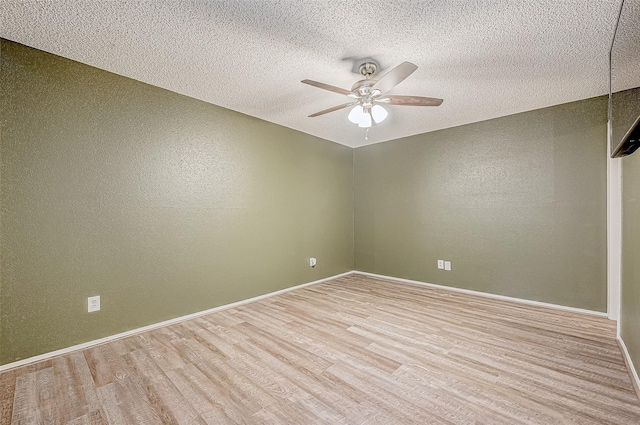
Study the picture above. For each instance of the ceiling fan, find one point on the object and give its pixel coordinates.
(369, 94)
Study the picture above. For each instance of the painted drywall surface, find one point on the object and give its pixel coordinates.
(630, 288)
(517, 204)
(161, 204)
(2, 101)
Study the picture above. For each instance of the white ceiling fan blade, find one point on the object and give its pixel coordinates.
(394, 77)
(409, 101)
(326, 87)
(335, 108)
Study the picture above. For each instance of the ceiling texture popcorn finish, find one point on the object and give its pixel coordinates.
(487, 58)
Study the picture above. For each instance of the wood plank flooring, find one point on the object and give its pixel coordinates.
(354, 350)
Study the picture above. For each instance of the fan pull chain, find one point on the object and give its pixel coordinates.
(366, 133)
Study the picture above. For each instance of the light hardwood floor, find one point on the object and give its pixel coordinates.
(354, 350)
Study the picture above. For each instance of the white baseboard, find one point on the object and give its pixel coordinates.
(487, 295)
(635, 380)
(88, 344)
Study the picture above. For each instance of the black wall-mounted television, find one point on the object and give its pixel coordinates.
(624, 81)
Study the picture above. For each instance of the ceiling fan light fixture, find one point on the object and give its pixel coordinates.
(364, 116)
(365, 120)
(378, 113)
(355, 114)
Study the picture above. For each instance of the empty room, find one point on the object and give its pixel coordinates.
(319, 212)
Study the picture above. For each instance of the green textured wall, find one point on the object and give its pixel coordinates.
(630, 295)
(165, 205)
(2, 102)
(161, 204)
(518, 204)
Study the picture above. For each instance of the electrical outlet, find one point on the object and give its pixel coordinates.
(447, 266)
(441, 264)
(312, 262)
(93, 303)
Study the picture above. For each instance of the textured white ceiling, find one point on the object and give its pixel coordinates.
(485, 58)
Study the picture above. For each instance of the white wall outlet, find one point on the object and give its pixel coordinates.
(312, 261)
(93, 303)
(441, 264)
(447, 266)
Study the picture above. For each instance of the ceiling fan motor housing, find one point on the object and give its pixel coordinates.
(363, 87)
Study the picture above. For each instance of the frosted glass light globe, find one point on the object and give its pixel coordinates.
(355, 114)
(379, 113)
